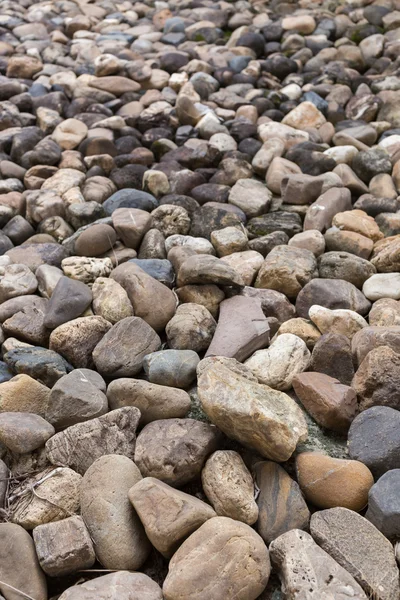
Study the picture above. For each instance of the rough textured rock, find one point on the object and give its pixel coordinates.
(383, 504)
(377, 379)
(129, 586)
(341, 295)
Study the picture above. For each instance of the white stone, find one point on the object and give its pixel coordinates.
(342, 154)
(223, 142)
(292, 91)
(198, 244)
(382, 285)
(342, 321)
(252, 197)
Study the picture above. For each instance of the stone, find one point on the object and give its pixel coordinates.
(311, 240)
(80, 445)
(277, 366)
(332, 404)
(246, 264)
(242, 328)
(45, 365)
(4, 475)
(342, 295)
(23, 432)
(110, 300)
(341, 533)
(75, 340)
(174, 450)
(16, 280)
(348, 241)
(385, 255)
(385, 312)
(369, 338)
(343, 265)
(151, 300)
(382, 285)
(383, 504)
(17, 547)
(210, 296)
(321, 212)
(191, 328)
(69, 133)
(280, 502)
(128, 586)
(245, 571)
(306, 114)
(287, 270)
(169, 516)
(301, 328)
(341, 321)
(56, 497)
(95, 240)
(175, 368)
(70, 298)
(328, 482)
(251, 196)
(154, 401)
(86, 269)
(359, 222)
(229, 486)
(76, 397)
(380, 453)
(306, 570)
(117, 533)
(207, 269)
(377, 379)
(64, 547)
(24, 394)
(234, 403)
(121, 351)
(131, 224)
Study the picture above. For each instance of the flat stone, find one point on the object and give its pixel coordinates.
(234, 403)
(115, 529)
(80, 445)
(280, 502)
(360, 549)
(207, 269)
(307, 570)
(229, 486)
(169, 516)
(174, 450)
(128, 586)
(23, 432)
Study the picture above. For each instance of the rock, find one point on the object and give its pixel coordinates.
(321, 291)
(17, 547)
(280, 502)
(154, 401)
(95, 240)
(343, 265)
(16, 280)
(286, 270)
(229, 486)
(174, 450)
(110, 300)
(24, 394)
(380, 453)
(68, 301)
(341, 533)
(382, 285)
(377, 379)
(210, 296)
(246, 264)
(151, 300)
(76, 339)
(131, 224)
(332, 404)
(242, 328)
(168, 515)
(4, 475)
(306, 114)
(175, 368)
(121, 352)
(207, 269)
(234, 403)
(56, 498)
(251, 196)
(129, 586)
(76, 397)
(341, 321)
(191, 328)
(69, 133)
(86, 269)
(117, 533)
(384, 312)
(321, 212)
(305, 569)
(328, 482)
(369, 338)
(45, 365)
(383, 504)
(384, 257)
(80, 445)
(64, 547)
(301, 328)
(279, 364)
(213, 539)
(23, 432)
(311, 240)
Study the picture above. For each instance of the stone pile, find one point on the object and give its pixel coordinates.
(199, 299)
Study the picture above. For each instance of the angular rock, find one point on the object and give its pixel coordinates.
(44, 365)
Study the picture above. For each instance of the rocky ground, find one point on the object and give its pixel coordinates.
(199, 300)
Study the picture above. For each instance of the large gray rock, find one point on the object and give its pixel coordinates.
(69, 300)
(384, 504)
(24, 432)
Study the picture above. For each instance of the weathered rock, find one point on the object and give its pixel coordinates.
(343, 265)
(117, 533)
(369, 338)
(191, 328)
(110, 300)
(168, 515)
(229, 486)
(377, 379)
(176, 368)
(128, 586)
(68, 301)
(241, 570)
(23, 394)
(45, 365)
(75, 340)
(302, 328)
(341, 321)
(341, 295)
(207, 269)
(23, 432)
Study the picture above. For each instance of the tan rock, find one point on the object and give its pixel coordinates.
(229, 486)
(24, 394)
(303, 329)
(247, 264)
(329, 482)
(210, 296)
(110, 300)
(305, 115)
(76, 339)
(70, 133)
(343, 321)
(359, 222)
(124, 585)
(377, 379)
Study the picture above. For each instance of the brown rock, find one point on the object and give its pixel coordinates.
(332, 356)
(203, 268)
(328, 482)
(385, 313)
(110, 300)
(168, 515)
(332, 404)
(191, 328)
(76, 339)
(348, 241)
(359, 222)
(131, 224)
(127, 586)
(303, 328)
(385, 256)
(208, 296)
(95, 240)
(23, 432)
(24, 394)
(377, 380)
(340, 295)
(321, 212)
(369, 338)
(280, 502)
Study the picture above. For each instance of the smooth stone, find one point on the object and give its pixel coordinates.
(202, 269)
(280, 502)
(234, 403)
(343, 265)
(240, 569)
(122, 350)
(382, 285)
(321, 212)
(341, 321)
(341, 295)
(369, 338)
(95, 240)
(251, 196)
(328, 482)
(68, 301)
(175, 368)
(229, 486)
(301, 328)
(23, 432)
(116, 531)
(23, 393)
(169, 516)
(360, 549)
(191, 328)
(44, 365)
(311, 240)
(131, 224)
(80, 445)
(332, 404)
(383, 504)
(128, 586)
(154, 401)
(35, 255)
(174, 450)
(110, 300)
(210, 296)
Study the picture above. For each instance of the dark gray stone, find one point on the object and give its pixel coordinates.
(130, 198)
(69, 300)
(40, 363)
(384, 504)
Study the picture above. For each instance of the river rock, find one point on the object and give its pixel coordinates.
(341, 321)
(110, 300)
(383, 504)
(23, 432)
(341, 295)
(191, 328)
(22, 393)
(68, 301)
(369, 338)
(176, 368)
(128, 586)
